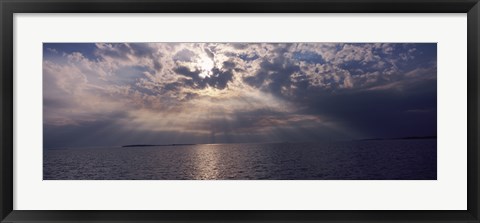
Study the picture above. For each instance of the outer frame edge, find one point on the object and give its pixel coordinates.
(6, 105)
(473, 34)
(6, 91)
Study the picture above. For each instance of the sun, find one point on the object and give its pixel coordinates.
(205, 65)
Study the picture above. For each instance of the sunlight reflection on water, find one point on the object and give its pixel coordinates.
(385, 159)
(206, 159)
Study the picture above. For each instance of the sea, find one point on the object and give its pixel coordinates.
(405, 159)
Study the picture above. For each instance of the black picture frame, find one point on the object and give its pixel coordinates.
(10, 7)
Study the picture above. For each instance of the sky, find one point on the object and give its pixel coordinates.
(111, 94)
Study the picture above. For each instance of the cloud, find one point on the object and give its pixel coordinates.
(240, 92)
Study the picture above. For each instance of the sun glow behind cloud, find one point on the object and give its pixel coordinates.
(237, 92)
(205, 66)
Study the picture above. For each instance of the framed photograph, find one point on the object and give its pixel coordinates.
(245, 111)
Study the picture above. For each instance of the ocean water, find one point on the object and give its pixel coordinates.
(359, 160)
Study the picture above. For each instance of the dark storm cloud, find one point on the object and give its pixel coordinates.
(141, 50)
(209, 53)
(229, 65)
(277, 69)
(381, 113)
(277, 72)
(219, 78)
(378, 111)
(184, 55)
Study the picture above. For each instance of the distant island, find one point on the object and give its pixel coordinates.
(402, 138)
(148, 145)
(370, 139)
